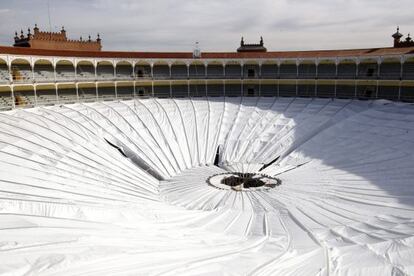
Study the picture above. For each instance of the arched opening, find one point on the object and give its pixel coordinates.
(215, 70)
(408, 69)
(143, 70)
(345, 89)
(143, 89)
(233, 88)
(6, 100)
(251, 70)
(233, 70)
(288, 69)
(366, 90)
(67, 93)
(325, 89)
(162, 89)
(4, 72)
(270, 69)
(306, 88)
(269, 88)
(21, 70)
(197, 88)
(87, 92)
(24, 96)
(215, 88)
(46, 95)
(251, 90)
(106, 91)
(407, 92)
(43, 71)
(161, 70)
(124, 70)
(125, 90)
(389, 90)
(326, 69)
(197, 70)
(307, 69)
(179, 89)
(347, 69)
(105, 70)
(368, 69)
(390, 69)
(287, 88)
(179, 70)
(85, 70)
(65, 70)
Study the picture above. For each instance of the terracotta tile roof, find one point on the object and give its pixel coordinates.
(209, 55)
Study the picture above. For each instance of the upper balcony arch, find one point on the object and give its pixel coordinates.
(197, 62)
(390, 68)
(44, 70)
(197, 69)
(233, 62)
(270, 62)
(161, 62)
(124, 69)
(288, 69)
(215, 69)
(143, 69)
(86, 70)
(215, 62)
(65, 62)
(21, 70)
(327, 61)
(65, 69)
(51, 60)
(4, 71)
(85, 61)
(124, 62)
(306, 68)
(3, 60)
(252, 62)
(179, 69)
(347, 68)
(326, 68)
(143, 62)
(369, 60)
(43, 61)
(104, 61)
(105, 69)
(306, 61)
(20, 60)
(270, 69)
(347, 60)
(287, 61)
(178, 62)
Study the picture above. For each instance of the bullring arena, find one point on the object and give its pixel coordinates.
(250, 162)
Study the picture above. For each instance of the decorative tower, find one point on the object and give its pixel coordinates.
(397, 37)
(259, 47)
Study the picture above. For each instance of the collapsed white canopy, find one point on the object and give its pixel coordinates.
(80, 191)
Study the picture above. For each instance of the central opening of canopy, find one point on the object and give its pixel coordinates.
(238, 181)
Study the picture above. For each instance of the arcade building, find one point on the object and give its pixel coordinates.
(45, 68)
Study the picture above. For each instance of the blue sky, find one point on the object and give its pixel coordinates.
(175, 25)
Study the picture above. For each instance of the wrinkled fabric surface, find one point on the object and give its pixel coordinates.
(119, 188)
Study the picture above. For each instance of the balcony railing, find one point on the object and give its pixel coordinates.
(119, 77)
